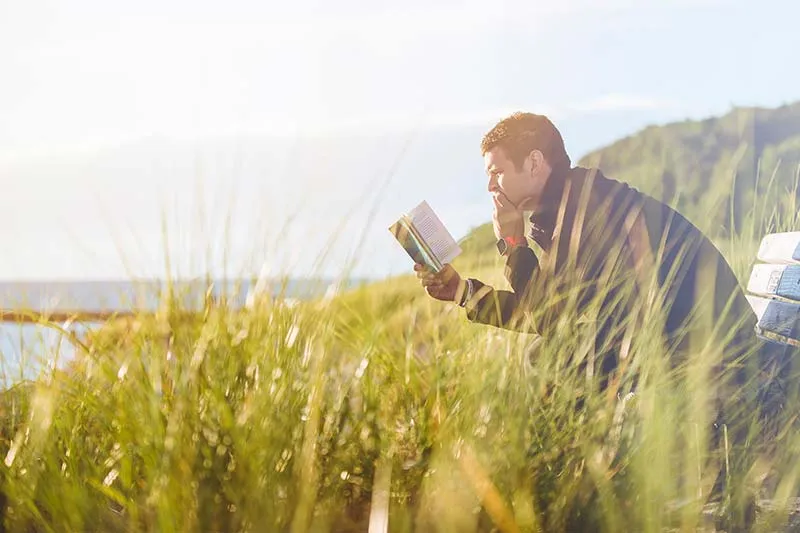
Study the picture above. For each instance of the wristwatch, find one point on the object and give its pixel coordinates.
(505, 244)
(468, 290)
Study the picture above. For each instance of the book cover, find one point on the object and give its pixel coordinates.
(425, 238)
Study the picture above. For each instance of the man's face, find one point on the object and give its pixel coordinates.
(522, 186)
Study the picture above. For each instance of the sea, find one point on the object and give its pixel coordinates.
(28, 349)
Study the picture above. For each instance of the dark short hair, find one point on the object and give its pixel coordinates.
(521, 133)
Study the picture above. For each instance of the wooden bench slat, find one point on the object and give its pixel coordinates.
(775, 281)
(780, 248)
(777, 317)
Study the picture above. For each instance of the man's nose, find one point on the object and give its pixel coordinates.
(492, 185)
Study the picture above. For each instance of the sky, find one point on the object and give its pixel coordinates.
(99, 100)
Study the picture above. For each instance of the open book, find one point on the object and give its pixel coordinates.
(424, 237)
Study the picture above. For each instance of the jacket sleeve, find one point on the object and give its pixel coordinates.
(536, 301)
(502, 308)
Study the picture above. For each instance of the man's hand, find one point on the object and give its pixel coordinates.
(508, 221)
(442, 285)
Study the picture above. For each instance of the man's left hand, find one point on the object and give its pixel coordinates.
(508, 221)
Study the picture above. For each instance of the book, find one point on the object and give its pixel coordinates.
(425, 238)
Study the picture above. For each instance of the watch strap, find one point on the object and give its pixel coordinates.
(466, 293)
(516, 241)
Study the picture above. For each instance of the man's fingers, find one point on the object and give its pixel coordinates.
(447, 273)
(437, 279)
(432, 279)
(423, 270)
(435, 292)
(502, 203)
(435, 283)
(504, 212)
(499, 199)
(428, 276)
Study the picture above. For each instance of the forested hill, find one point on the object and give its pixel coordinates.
(714, 167)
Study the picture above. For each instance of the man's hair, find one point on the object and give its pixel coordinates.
(521, 133)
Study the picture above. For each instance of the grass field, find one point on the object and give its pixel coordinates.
(378, 409)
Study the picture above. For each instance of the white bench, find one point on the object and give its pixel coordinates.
(774, 288)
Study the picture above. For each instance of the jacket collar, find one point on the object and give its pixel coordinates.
(543, 219)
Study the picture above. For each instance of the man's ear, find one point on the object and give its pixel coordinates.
(536, 161)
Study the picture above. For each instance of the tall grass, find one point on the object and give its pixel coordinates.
(378, 410)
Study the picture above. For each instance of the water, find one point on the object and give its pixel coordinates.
(25, 349)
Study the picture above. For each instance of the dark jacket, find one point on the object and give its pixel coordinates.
(609, 252)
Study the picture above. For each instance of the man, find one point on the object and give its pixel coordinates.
(610, 256)
(603, 242)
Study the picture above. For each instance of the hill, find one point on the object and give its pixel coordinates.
(742, 156)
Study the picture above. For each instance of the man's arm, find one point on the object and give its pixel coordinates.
(501, 308)
(535, 302)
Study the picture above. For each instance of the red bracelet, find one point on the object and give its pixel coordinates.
(514, 241)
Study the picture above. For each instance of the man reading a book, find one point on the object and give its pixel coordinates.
(606, 254)
(599, 252)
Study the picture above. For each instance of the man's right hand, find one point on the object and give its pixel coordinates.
(442, 285)
(507, 219)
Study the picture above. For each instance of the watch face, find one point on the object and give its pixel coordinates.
(502, 246)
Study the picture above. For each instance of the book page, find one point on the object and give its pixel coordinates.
(432, 230)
